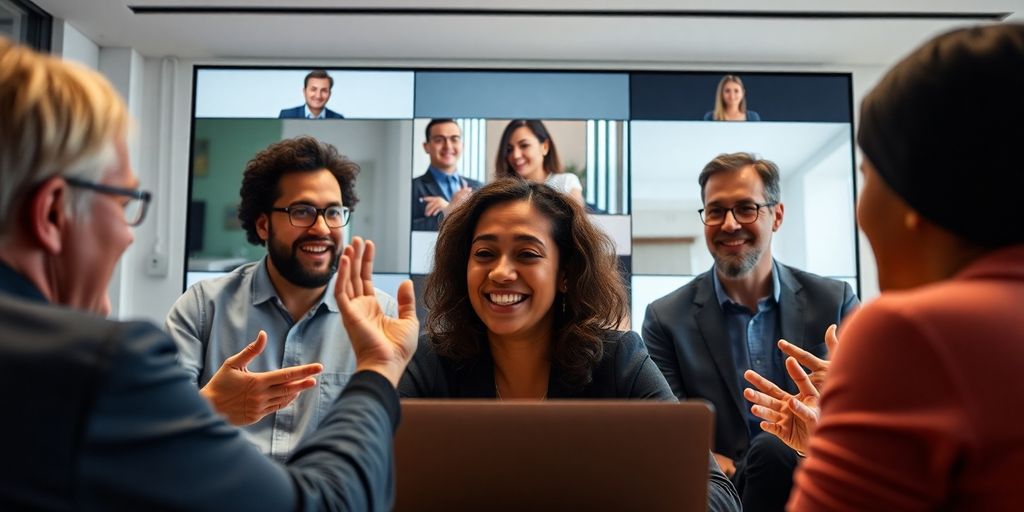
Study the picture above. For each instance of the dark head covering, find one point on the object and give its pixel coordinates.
(945, 130)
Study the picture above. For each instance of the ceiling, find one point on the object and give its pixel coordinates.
(640, 33)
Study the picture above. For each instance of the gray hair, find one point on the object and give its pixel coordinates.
(60, 119)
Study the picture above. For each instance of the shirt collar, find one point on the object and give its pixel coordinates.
(309, 115)
(723, 297)
(440, 176)
(15, 284)
(263, 290)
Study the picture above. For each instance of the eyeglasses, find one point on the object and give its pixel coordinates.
(138, 200)
(304, 215)
(743, 213)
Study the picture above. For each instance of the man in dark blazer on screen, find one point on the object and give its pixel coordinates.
(704, 335)
(316, 88)
(441, 188)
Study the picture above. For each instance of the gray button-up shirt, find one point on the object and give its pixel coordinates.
(217, 317)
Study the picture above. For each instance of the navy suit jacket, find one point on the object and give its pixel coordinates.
(686, 336)
(102, 417)
(425, 186)
(299, 112)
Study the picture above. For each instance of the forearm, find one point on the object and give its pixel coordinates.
(348, 462)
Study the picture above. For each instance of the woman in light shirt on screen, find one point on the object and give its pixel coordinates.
(527, 150)
(731, 102)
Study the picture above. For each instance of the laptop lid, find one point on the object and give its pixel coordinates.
(565, 455)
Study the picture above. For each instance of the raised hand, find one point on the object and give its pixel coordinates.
(245, 397)
(790, 418)
(381, 343)
(434, 205)
(818, 367)
(459, 196)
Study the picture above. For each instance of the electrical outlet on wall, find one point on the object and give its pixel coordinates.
(156, 263)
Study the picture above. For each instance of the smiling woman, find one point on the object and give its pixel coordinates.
(544, 297)
(544, 300)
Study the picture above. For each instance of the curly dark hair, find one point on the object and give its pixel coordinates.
(595, 297)
(301, 154)
(552, 163)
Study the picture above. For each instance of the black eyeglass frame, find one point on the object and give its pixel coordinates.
(140, 195)
(732, 210)
(346, 214)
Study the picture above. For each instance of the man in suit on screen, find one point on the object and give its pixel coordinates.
(317, 90)
(704, 335)
(439, 189)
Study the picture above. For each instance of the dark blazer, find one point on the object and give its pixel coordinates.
(625, 371)
(101, 417)
(299, 112)
(424, 186)
(686, 336)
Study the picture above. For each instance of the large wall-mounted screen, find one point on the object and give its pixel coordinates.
(635, 141)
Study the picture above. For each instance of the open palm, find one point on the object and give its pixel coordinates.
(381, 343)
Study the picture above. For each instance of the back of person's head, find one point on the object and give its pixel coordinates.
(729, 162)
(594, 296)
(320, 74)
(56, 119)
(944, 127)
(552, 163)
(300, 154)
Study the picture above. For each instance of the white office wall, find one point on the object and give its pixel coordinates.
(69, 43)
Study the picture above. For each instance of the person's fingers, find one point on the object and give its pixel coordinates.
(764, 385)
(767, 414)
(759, 398)
(803, 382)
(803, 411)
(356, 270)
(247, 354)
(366, 277)
(831, 340)
(340, 288)
(406, 301)
(291, 373)
(291, 388)
(774, 429)
(804, 357)
(277, 404)
(346, 277)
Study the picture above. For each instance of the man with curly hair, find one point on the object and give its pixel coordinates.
(296, 197)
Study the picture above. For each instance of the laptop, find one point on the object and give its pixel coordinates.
(554, 455)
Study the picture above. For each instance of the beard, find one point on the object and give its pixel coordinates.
(286, 261)
(738, 265)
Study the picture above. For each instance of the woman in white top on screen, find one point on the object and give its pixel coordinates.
(527, 150)
(731, 102)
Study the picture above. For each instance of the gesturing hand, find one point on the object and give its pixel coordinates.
(434, 205)
(818, 367)
(245, 397)
(381, 343)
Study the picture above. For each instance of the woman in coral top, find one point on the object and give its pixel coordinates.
(918, 409)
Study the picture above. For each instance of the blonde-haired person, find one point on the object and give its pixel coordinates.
(103, 416)
(731, 102)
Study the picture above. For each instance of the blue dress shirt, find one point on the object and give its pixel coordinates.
(449, 183)
(217, 317)
(753, 336)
